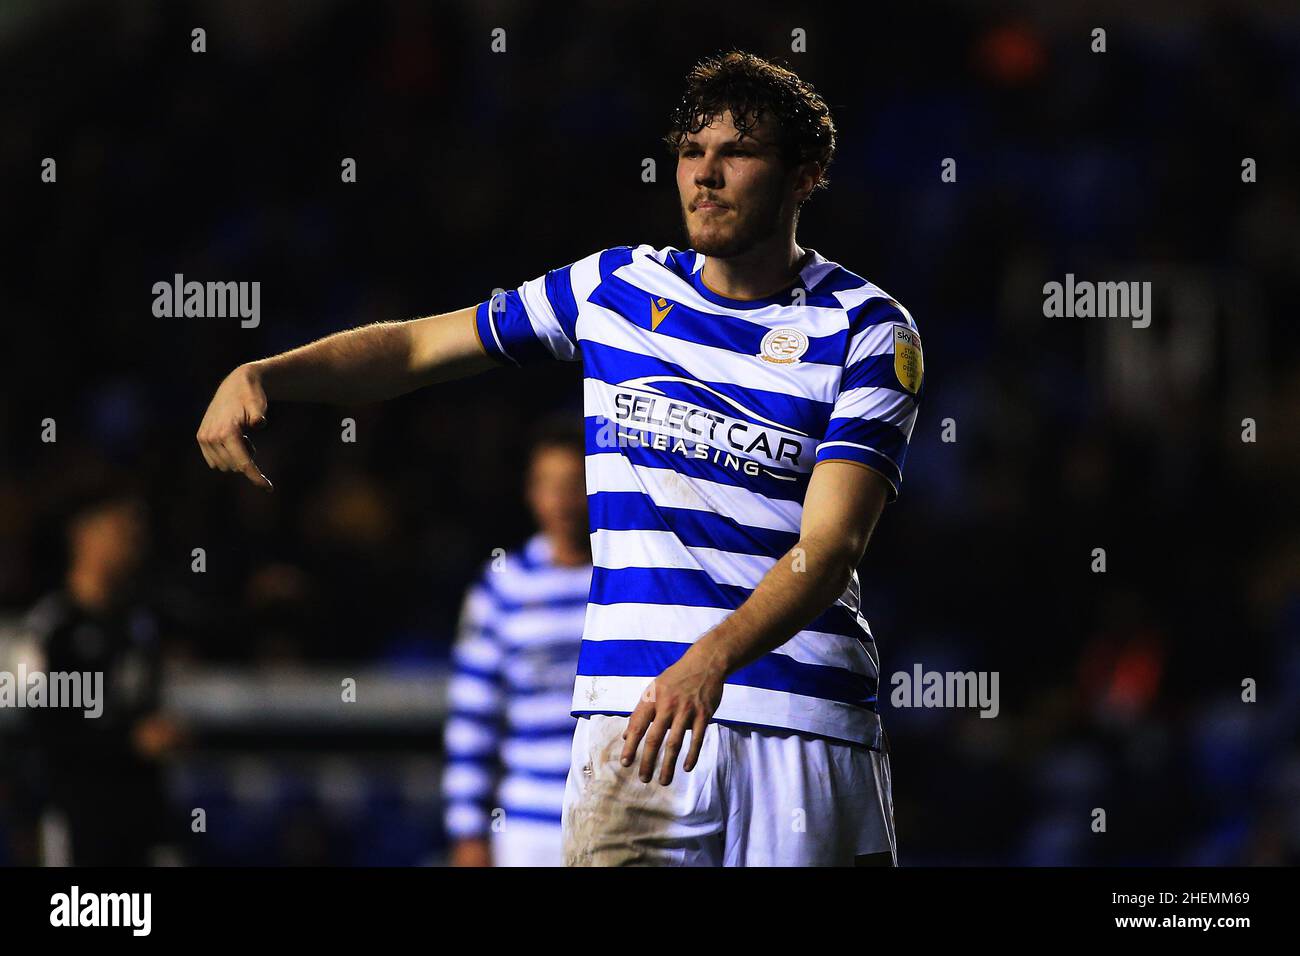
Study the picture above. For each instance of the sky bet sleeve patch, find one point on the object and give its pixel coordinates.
(908, 363)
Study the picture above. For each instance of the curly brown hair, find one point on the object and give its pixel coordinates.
(752, 88)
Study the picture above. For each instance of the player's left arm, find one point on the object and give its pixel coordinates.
(843, 502)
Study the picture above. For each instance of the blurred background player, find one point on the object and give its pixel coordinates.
(509, 731)
(104, 801)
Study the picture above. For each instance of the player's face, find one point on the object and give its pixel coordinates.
(557, 491)
(735, 191)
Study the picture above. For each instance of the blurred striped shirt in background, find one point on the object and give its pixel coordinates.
(509, 731)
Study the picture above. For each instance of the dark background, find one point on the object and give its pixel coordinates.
(478, 170)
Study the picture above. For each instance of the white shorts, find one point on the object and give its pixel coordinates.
(755, 798)
(527, 843)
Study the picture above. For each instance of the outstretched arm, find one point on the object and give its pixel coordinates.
(841, 507)
(371, 363)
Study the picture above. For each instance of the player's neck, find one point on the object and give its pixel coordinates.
(762, 271)
(570, 552)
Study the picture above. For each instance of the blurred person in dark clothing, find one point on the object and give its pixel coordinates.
(102, 779)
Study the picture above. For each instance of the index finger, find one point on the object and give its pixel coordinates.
(240, 452)
(254, 474)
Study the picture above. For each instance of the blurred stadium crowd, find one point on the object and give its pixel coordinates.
(1120, 690)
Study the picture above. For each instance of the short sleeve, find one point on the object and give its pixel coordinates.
(880, 390)
(537, 321)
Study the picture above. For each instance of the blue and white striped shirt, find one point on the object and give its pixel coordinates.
(509, 732)
(704, 418)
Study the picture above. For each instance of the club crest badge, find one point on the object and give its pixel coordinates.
(908, 362)
(783, 346)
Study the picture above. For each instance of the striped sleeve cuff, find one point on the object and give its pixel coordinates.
(850, 451)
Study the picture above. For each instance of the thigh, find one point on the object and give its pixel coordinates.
(813, 802)
(611, 818)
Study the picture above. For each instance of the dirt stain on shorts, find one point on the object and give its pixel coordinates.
(618, 820)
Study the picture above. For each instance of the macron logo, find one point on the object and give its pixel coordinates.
(102, 909)
(659, 311)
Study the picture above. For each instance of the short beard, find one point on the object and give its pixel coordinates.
(741, 240)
